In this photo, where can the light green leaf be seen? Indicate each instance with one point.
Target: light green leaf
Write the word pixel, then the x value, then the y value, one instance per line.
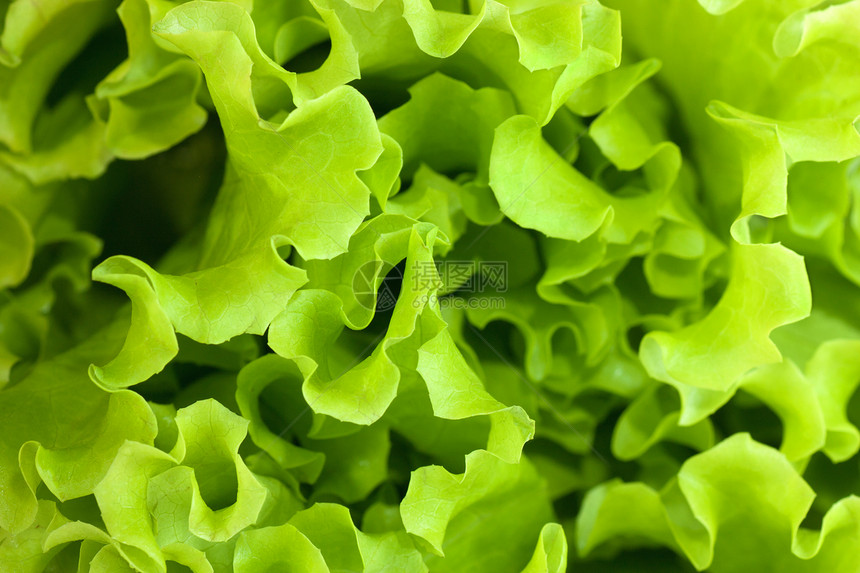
pixel 833 373
pixel 122 496
pixel 538 190
pixel 253 380
pixel 150 97
pixel 768 288
pixel 281 548
pixel 16 247
pixel 87 427
pixel 464 518
pixel 346 548
pixel 551 552
pixel 286 164
pixel 226 497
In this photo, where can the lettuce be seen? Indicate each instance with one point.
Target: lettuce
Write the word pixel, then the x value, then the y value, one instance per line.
pixel 411 285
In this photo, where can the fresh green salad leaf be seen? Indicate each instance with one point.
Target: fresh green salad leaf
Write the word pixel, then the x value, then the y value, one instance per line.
pixel 411 286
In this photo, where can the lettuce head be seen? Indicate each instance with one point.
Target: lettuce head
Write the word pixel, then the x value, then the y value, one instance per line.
pixel 408 286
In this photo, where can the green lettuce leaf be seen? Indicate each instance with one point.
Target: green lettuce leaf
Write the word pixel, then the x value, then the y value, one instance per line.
pixel 398 286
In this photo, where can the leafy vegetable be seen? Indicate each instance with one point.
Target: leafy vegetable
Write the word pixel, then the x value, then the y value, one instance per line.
pixel 411 285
